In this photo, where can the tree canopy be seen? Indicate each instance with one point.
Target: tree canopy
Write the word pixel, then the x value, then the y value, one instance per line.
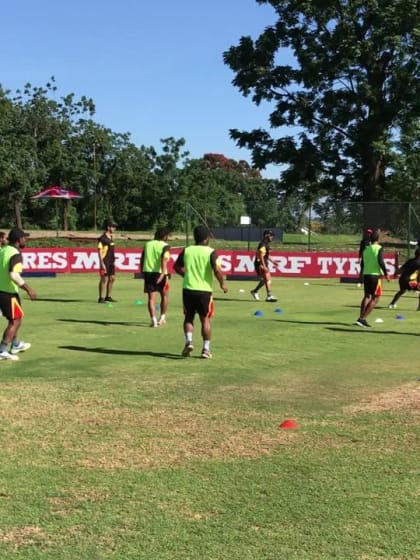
pixel 343 75
pixel 47 139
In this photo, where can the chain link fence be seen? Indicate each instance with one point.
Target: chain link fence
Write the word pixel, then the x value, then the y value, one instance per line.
pixel 321 226
pixel 397 222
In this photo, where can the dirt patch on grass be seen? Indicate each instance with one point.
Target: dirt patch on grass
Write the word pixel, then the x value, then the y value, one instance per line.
pixel 405 397
pixel 18 537
pixel 97 433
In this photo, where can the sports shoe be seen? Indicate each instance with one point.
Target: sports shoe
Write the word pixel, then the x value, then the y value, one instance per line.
pixel 5 355
pixel 161 322
pixel 154 324
pixel 187 350
pixel 363 323
pixel 21 347
pixel 255 295
pixel 271 298
pixel 101 300
pixel 205 354
pixel 392 306
pixel 111 299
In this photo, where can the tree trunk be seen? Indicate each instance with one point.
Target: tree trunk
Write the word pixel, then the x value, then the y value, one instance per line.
pixel 65 224
pixel 18 213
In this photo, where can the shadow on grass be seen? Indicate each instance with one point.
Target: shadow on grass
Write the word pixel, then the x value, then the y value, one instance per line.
pixel 116 352
pixel 315 323
pixel 242 300
pixel 371 331
pixel 60 300
pixel 106 323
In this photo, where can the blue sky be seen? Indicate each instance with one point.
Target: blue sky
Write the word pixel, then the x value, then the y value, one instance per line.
pixel 153 68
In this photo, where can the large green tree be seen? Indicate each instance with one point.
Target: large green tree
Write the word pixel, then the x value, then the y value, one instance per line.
pixel 345 75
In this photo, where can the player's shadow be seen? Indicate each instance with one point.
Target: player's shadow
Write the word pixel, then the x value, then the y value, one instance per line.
pixel 106 323
pixel 118 352
pixel 313 322
pixel 60 300
pixel 369 331
pixel 231 299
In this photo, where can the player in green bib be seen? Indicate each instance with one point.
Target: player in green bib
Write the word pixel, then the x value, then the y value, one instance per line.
pixel 372 267
pixel 199 264
pixel 11 266
pixel 154 265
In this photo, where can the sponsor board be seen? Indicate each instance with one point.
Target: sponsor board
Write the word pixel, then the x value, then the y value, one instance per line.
pixel 235 263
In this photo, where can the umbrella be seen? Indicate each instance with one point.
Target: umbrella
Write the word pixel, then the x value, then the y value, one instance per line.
pixel 56 192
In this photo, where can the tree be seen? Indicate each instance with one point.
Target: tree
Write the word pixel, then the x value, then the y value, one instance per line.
pixel 36 133
pixel 351 90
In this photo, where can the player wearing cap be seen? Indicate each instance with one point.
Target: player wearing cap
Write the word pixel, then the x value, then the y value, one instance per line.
pixel 262 258
pixel 198 265
pixel 106 254
pixel 154 265
pixel 11 266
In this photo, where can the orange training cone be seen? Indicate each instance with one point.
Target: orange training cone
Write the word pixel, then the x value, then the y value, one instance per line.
pixel 288 425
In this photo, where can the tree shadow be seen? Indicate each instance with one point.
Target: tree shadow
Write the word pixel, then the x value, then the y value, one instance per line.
pixel 115 352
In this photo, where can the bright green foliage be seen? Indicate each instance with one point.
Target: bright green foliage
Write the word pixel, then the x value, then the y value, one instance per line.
pixel 351 90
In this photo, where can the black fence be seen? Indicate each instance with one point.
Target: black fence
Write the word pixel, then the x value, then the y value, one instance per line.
pixel 245 233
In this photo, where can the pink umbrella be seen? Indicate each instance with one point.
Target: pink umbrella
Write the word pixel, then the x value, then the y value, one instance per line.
pixel 56 192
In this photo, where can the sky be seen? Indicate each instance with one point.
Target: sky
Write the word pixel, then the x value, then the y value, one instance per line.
pixel 153 68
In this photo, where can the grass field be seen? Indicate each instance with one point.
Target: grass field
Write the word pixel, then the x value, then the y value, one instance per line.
pixel 114 447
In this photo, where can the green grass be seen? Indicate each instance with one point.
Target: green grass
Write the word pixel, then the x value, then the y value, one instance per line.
pixel 114 447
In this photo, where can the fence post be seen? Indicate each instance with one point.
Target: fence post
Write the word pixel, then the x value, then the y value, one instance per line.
pixel 309 226
pixel 187 220
pixel 409 230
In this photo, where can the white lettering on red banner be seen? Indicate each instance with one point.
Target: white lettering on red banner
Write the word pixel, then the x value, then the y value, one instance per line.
pixel 233 263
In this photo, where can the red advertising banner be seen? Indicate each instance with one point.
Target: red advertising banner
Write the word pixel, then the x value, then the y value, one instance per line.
pixel 233 263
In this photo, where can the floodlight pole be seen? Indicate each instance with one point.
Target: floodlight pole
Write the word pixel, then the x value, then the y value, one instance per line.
pixel 94 188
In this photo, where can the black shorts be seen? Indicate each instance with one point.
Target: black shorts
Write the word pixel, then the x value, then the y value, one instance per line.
pixel 372 285
pixel 198 302
pixel 407 284
pixel 151 284
pixel 10 306
pixel 110 270
pixel 257 267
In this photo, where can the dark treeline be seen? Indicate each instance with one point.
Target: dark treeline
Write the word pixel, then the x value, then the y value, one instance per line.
pixel 49 140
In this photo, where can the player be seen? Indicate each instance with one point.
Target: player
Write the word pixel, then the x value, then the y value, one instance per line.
pixel 372 266
pixel 106 254
pixel 262 258
pixel 408 279
pixel 3 239
pixel 364 242
pixel 154 265
pixel 10 305
pixel 198 264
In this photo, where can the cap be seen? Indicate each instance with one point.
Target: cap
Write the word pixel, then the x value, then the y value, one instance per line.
pixel 268 232
pixel 109 222
pixel 16 233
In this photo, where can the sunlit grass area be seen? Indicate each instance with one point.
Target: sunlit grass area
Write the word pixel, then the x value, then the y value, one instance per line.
pixel 116 447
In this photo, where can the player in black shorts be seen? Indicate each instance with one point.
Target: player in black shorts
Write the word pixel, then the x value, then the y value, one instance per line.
pixel 262 258
pixel 154 265
pixel 106 254
pixel 408 279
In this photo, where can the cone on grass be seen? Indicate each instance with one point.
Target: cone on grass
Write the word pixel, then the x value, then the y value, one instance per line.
pixel 288 424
